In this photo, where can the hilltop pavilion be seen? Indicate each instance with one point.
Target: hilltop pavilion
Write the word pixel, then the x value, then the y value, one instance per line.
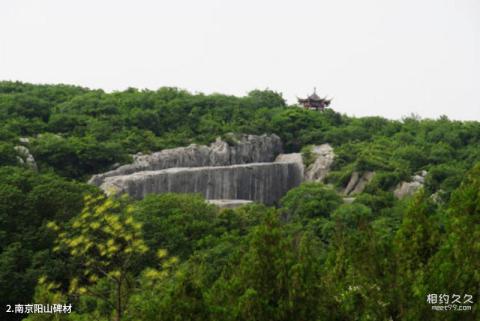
pixel 314 102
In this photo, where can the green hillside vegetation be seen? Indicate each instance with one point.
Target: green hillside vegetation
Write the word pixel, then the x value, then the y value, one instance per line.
pixel 174 257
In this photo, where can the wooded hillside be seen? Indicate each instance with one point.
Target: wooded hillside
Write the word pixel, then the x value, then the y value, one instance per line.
pixel 175 257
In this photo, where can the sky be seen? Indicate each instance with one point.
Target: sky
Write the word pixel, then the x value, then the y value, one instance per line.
pixel 391 58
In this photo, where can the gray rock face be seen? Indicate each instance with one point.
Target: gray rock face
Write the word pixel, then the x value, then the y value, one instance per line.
pixel 405 189
pixel 352 183
pixel 358 182
pixel 24 157
pixel 321 167
pixel 246 149
pixel 260 182
pixel 229 203
pixel 291 158
pixel 419 177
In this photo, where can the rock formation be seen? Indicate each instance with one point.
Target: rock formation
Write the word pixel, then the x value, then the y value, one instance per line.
pixel 319 169
pixel 25 157
pixel 291 158
pixel 261 182
pixel 358 182
pixel 405 189
pixel 245 149
pixel 228 174
pixel 241 170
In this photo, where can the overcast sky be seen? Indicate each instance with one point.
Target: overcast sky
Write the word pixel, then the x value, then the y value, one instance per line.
pixel 374 57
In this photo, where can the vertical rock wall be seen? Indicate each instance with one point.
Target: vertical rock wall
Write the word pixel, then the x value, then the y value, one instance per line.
pixel 241 149
pixel 241 169
pixel 260 182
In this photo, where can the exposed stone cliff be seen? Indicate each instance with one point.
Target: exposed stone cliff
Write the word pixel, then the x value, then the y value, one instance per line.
pixel 242 169
pixel 247 168
pixel 291 158
pixel 261 182
pixel 243 149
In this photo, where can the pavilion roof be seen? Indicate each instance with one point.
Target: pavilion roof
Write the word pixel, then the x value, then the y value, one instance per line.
pixel 314 96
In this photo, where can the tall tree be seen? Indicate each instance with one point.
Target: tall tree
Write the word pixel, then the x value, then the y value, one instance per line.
pixel 104 241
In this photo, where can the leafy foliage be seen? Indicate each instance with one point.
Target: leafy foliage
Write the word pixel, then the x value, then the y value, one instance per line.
pixel 174 257
pixel 310 200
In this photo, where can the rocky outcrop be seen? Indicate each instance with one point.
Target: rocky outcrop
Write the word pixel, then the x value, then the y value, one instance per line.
pixel 405 189
pixel 229 203
pixel 25 157
pixel 260 182
pixel 420 177
pixel 358 182
pixel 291 158
pixel 320 168
pixel 241 149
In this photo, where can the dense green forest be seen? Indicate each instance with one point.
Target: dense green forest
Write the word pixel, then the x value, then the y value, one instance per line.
pixel 175 257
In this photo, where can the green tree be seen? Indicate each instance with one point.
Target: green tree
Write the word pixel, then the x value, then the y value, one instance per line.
pixel 104 240
pixel 266 98
pixel 175 222
pixel 7 154
pixel 178 298
pixel 416 241
pixel 28 200
pixel 277 278
pixel 454 269
pixel 357 267
pixel 310 200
